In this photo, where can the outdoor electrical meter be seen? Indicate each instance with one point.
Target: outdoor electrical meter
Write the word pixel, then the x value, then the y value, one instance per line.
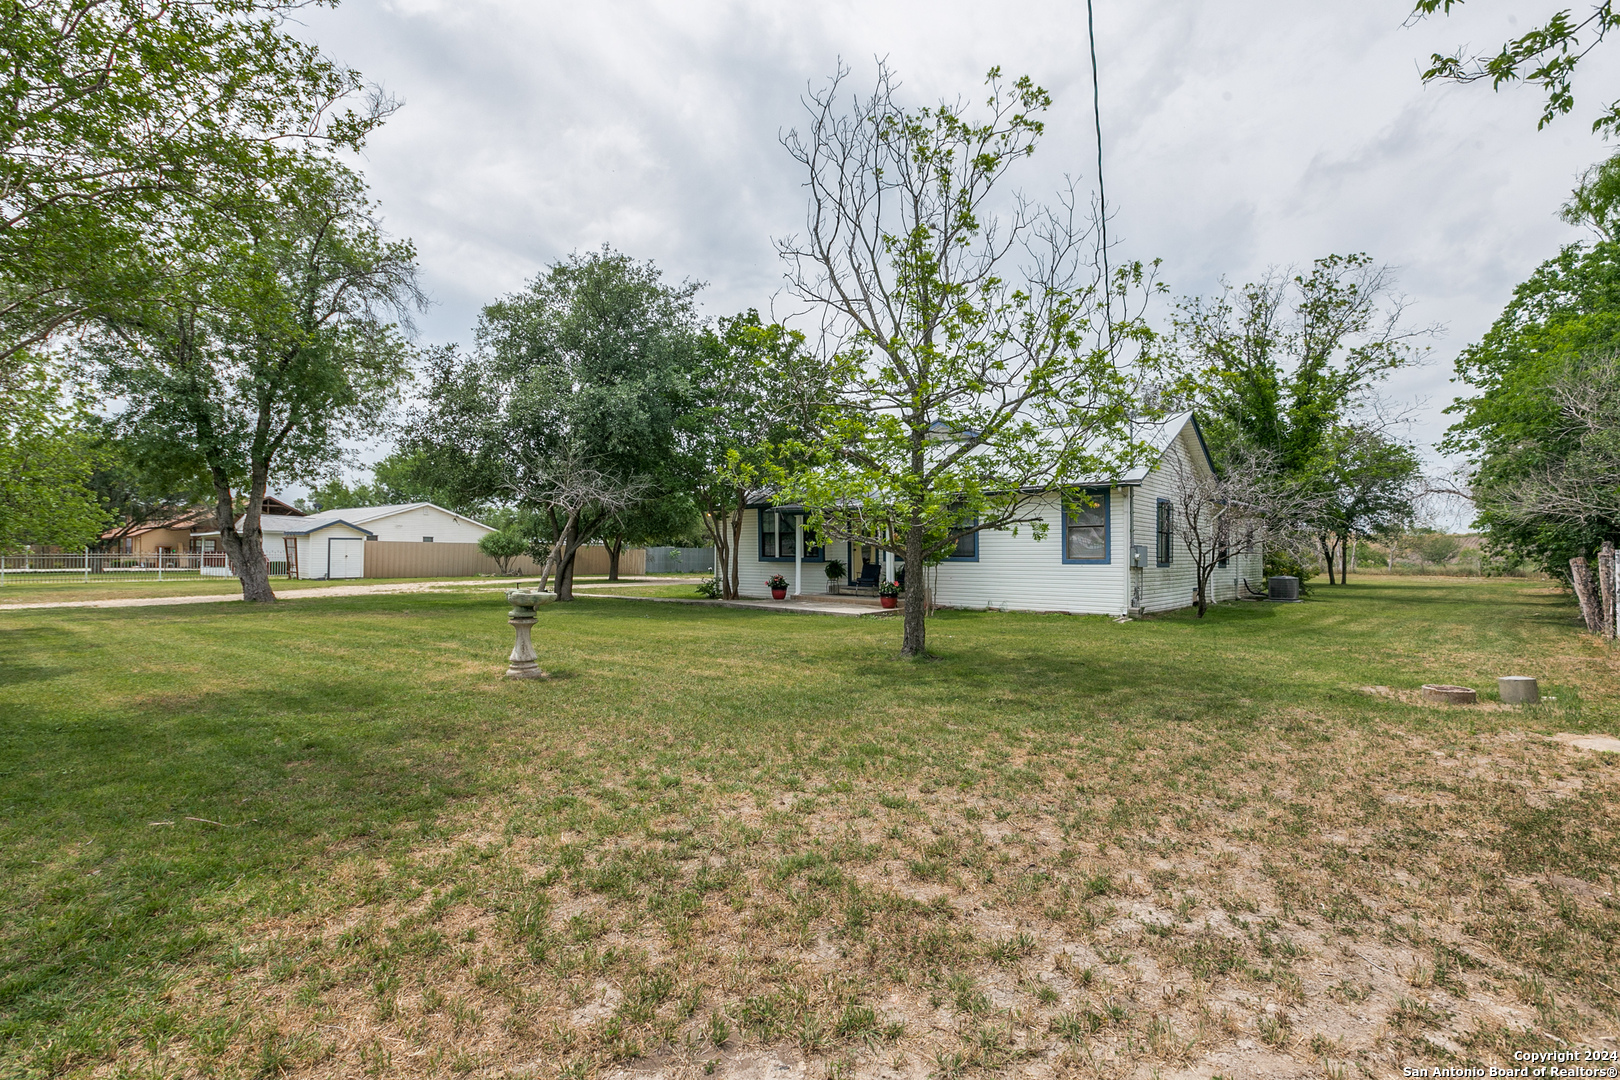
pixel 1138 553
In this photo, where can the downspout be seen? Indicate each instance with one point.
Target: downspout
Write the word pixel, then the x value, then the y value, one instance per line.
pixel 798 554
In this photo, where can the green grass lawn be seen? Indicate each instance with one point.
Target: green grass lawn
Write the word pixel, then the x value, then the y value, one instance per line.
pixel 686 590
pixel 326 838
pixel 19 589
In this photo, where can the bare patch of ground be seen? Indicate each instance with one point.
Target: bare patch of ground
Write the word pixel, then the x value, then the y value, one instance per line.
pixel 1326 903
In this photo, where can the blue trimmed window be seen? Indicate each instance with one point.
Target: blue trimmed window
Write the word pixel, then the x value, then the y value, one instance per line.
pixel 1164 528
pixel 1086 527
pixel 776 532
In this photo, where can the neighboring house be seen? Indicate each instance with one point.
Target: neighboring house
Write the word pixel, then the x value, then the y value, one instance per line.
pixel 188 531
pixel 1119 557
pixel 329 544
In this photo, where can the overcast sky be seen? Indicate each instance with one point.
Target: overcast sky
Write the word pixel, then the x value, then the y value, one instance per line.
pixel 1238 135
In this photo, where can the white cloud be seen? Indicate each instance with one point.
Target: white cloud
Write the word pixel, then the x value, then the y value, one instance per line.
pixel 1238 135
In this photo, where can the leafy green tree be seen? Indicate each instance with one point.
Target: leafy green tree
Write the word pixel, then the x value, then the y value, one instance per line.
pixel 1436 548
pixel 571 403
pixel 973 364
pixel 1285 359
pixel 755 394
pixel 121 121
pixel 503 546
pixel 660 520
pixel 334 494
pixel 1545 56
pixel 131 496
pixel 451 450
pixel 1595 202
pixel 1556 330
pixel 47 453
pixel 275 341
pixel 1285 365
pixel 1368 484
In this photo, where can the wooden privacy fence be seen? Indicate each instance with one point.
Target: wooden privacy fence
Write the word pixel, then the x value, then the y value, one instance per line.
pixel 401 559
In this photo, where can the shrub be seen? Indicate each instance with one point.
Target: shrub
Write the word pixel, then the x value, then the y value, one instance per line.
pixel 1286 563
pixel 711 589
pixel 503 547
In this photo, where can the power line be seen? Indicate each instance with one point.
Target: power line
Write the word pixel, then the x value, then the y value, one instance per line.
pixel 1102 193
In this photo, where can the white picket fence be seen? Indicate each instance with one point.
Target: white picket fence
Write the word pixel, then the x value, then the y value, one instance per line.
pixel 90 567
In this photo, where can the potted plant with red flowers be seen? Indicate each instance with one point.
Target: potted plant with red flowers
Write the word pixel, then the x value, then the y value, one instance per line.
pixel 888 593
pixel 778 586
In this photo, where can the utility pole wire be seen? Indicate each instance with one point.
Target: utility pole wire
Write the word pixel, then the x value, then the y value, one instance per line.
pixel 1102 194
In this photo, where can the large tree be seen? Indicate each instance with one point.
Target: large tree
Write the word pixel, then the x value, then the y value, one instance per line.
pixel 1364 483
pixel 1287 367
pixel 1515 429
pixel 47 454
pixel 119 120
pixel 272 343
pixel 571 402
pixel 756 393
pixel 973 364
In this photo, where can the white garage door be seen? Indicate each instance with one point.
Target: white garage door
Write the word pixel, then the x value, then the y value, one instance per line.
pixel 346 557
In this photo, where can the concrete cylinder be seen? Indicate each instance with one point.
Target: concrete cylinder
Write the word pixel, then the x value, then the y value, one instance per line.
pixel 1450 695
pixel 1518 690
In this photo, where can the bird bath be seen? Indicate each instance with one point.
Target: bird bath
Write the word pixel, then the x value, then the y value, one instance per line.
pixel 524 663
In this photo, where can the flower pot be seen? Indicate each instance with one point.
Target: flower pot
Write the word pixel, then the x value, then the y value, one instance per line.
pixel 888 601
pixel 778 594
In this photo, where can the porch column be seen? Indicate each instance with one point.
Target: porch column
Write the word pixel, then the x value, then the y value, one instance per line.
pixel 888 556
pixel 798 552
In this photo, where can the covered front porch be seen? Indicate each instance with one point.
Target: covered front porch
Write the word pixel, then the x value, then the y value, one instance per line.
pixel 793 551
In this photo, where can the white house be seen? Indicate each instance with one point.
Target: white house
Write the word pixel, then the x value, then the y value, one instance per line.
pixel 1122 556
pixel 330 544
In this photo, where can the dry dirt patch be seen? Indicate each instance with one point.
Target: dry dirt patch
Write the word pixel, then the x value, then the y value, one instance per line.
pixel 1334 904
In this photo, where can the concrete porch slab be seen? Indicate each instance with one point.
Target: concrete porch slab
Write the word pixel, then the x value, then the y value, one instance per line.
pixel 849 606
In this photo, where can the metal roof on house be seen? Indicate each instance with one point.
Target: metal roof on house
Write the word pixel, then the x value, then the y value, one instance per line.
pixel 1157 436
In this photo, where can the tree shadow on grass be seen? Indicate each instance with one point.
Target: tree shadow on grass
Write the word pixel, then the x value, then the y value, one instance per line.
pixel 19 650
pixel 129 834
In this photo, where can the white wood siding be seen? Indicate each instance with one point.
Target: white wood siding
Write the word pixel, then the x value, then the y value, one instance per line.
pixel 1166 588
pixel 1016 572
pixel 312 550
pixel 752 574
pixel 411 525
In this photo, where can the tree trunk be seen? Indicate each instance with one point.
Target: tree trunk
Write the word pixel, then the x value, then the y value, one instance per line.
pixel 244 549
pixel 1580 579
pixel 614 547
pixel 1327 555
pixel 734 586
pixel 1203 590
pixel 565 561
pixel 1344 560
pixel 1606 585
pixel 915 642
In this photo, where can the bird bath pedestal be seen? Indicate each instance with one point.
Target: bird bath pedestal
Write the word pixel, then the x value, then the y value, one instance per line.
pixel 524 664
